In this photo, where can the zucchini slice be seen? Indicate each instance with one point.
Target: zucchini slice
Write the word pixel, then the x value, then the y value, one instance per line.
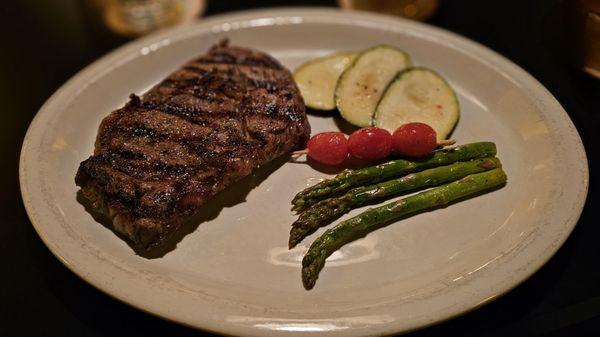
pixel 418 95
pixel 317 78
pixel 360 87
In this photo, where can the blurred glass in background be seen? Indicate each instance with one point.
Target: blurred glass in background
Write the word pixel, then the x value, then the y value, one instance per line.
pixel 133 18
pixel 411 9
pixel 583 17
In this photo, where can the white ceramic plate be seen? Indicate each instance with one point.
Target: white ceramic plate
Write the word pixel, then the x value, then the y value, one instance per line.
pixel 234 274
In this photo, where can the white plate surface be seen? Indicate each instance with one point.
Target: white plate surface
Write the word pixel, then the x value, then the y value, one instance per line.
pixel 234 274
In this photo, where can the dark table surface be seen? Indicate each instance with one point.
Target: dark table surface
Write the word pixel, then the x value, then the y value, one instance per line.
pixel 47 41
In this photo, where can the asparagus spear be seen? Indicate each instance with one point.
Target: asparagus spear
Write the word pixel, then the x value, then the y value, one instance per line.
pixel 374 218
pixel 395 168
pixel 325 211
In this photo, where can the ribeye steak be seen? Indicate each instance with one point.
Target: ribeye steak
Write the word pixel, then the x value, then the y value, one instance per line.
pixel 208 124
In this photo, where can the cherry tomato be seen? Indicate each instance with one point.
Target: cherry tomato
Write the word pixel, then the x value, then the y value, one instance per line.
pixel 414 139
pixel 370 144
pixel 330 148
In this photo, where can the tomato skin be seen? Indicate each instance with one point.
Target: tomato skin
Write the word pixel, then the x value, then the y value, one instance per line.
pixel 414 140
pixel 370 144
pixel 329 148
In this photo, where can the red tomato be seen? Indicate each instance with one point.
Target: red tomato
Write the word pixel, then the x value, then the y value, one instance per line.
pixel 330 148
pixel 414 139
pixel 370 144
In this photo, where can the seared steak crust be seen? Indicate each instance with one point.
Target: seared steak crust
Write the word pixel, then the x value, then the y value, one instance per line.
pixel 208 124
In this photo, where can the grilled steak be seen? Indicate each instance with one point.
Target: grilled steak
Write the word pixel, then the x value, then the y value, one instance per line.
pixel 208 124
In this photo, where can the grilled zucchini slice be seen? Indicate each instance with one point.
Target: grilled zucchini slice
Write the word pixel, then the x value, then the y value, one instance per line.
pixel 418 95
pixel 360 87
pixel 317 79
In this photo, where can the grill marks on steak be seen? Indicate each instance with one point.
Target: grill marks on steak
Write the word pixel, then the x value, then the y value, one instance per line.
pixel 210 123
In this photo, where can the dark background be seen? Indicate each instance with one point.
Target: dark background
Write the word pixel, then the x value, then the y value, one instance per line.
pixel 43 43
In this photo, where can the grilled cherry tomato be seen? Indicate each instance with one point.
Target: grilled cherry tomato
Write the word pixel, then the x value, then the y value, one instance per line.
pixel 370 144
pixel 414 139
pixel 330 148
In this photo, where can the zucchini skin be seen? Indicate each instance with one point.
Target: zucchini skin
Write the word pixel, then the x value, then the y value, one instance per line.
pixel 317 104
pixel 400 74
pixel 342 78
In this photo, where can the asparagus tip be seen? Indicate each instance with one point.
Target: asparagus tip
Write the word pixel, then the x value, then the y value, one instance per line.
pixel 308 279
pixel 295 237
pixel 298 209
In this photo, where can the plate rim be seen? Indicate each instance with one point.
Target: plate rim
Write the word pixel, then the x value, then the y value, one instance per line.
pixel 125 53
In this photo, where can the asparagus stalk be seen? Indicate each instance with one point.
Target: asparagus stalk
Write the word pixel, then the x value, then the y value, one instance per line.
pixel 325 211
pixel 374 218
pixel 395 168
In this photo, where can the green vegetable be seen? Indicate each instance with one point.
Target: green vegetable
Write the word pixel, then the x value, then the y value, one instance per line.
pixel 360 87
pixel 325 211
pixel 317 79
pixel 418 95
pixel 374 218
pixel 395 168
